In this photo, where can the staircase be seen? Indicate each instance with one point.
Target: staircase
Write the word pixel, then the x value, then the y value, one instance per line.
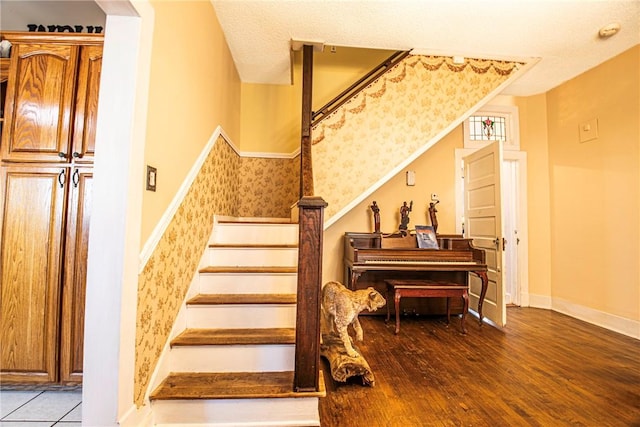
pixel 233 364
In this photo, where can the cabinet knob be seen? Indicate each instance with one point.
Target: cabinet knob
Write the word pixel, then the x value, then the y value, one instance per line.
pixel 76 154
pixel 62 155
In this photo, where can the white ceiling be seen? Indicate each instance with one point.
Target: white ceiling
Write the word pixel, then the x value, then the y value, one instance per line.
pixel 561 33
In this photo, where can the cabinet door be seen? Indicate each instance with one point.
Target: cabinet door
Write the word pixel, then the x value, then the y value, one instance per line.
pixel 75 266
pixel 4 75
pixel 32 215
pixel 39 103
pixel 86 111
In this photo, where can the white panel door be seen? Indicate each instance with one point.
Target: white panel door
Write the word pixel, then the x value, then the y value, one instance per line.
pixel 483 223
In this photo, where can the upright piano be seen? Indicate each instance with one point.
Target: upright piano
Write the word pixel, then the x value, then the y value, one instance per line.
pixel 371 258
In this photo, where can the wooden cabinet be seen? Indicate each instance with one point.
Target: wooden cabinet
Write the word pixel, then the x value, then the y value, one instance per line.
pixel 4 75
pixel 86 105
pixel 51 101
pixel 47 153
pixel 75 267
pixel 39 103
pixel 33 213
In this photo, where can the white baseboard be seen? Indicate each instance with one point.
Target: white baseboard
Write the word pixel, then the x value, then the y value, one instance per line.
pixel 137 417
pixel 539 301
pixel 605 320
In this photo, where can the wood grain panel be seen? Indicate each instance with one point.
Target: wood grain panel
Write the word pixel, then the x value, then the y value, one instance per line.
pixel 307 354
pixel 75 265
pixel 229 385
pixel 4 69
pixel 86 110
pixel 39 103
pixel 30 269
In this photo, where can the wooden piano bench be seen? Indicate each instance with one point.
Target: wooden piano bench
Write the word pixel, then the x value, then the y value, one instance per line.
pixel 426 288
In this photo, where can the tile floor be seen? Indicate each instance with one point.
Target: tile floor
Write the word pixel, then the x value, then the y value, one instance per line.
pixel 40 408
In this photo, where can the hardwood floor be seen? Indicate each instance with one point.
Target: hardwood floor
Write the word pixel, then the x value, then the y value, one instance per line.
pixel 543 369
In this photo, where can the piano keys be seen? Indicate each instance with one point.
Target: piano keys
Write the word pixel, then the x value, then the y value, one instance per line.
pixel 371 258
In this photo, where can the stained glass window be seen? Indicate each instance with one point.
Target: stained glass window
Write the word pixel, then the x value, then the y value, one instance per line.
pixel 487 128
pixel 493 123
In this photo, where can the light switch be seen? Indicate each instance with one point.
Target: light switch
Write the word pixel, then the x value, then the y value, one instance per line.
pixel 411 178
pixel 588 130
pixel 152 178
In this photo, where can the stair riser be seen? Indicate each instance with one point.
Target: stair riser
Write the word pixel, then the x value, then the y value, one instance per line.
pixel 232 358
pixel 234 412
pixel 275 234
pixel 241 316
pixel 229 257
pixel 219 283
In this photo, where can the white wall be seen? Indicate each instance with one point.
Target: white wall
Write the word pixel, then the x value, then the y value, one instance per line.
pixel 109 348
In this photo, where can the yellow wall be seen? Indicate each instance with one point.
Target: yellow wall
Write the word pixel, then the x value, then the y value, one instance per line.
pixel 193 88
pixel 533 140
pixel 271 114
pixel 435 173
pixel 595 188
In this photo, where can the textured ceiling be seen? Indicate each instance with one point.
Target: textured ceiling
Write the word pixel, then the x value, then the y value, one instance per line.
pixel 562 34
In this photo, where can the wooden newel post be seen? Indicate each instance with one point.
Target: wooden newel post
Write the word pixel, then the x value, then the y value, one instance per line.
pixel 307 354
pixel 306 170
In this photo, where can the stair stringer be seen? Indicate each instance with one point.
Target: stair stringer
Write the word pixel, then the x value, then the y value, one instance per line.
pixel 395 139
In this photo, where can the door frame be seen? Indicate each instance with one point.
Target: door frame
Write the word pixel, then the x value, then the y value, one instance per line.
pixel 520 206
pixel 114 239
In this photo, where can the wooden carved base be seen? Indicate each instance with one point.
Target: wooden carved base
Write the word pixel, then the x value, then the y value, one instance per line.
pixel 342 365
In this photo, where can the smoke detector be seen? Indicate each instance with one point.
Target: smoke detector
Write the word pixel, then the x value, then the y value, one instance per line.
pixel 609 30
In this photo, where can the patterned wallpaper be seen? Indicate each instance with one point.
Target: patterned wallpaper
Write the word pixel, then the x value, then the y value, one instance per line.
pixel 164 282
pixel 394 117
pixel 268 187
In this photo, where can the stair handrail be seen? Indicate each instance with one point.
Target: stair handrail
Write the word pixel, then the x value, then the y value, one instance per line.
pixel 358 86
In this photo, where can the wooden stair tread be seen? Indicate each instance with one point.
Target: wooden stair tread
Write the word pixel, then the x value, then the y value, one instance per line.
pixel 230 385
pixel 235 336
pixel 204 299
pixel 277 221
pixel 249 269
